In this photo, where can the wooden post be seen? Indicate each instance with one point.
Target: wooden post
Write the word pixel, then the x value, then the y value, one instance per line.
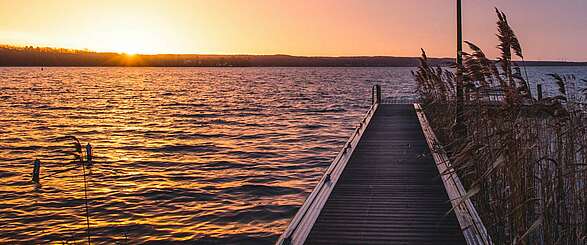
pixel 89 154
pixel 373 95
pixel 36 170
pixel 377 94
pixel 539 91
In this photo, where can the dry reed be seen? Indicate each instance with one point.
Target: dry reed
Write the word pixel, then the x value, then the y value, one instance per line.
pixel 525 159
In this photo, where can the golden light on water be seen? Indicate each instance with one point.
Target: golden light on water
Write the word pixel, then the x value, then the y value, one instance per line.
pixel 196 153
pixel 180 154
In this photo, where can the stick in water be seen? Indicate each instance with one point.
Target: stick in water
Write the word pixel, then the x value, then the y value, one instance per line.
pixel 36 170
pixel 89 154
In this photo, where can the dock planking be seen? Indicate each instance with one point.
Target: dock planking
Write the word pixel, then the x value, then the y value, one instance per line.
pixel 390 191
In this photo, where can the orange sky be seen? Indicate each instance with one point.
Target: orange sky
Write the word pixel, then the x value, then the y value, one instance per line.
pixel 549 30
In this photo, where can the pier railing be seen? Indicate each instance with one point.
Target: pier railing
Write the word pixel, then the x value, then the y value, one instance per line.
pixel 302 223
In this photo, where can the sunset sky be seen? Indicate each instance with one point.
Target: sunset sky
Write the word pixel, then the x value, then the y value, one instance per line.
pixel 548 29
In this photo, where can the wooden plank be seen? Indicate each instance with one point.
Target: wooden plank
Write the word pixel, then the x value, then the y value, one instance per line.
pixel 300 226
pixel 390 191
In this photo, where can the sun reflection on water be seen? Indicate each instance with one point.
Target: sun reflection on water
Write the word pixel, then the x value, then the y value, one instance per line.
pixel 219 155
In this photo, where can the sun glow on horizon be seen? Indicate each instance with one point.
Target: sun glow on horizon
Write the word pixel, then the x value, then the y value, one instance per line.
pixel 129 27
pixel 129 32
pixel 130 42
pixel 295 27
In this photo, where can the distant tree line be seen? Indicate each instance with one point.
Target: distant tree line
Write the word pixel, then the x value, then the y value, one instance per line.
pixel 43 56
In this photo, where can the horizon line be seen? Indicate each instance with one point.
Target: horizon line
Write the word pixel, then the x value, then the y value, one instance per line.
pixel 6 45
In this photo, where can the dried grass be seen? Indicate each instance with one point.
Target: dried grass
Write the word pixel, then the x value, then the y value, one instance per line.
pixel 527 157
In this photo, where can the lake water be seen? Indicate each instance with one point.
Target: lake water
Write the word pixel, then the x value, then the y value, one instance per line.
pixel 208 155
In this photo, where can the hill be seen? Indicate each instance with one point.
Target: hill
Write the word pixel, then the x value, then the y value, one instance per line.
pixel 42 56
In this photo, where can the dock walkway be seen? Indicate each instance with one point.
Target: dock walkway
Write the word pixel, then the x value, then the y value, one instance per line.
pixel 385 187
pixel 390 191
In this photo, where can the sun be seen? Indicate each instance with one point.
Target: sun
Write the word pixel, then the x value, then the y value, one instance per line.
pixel 131 40
pixel 132 46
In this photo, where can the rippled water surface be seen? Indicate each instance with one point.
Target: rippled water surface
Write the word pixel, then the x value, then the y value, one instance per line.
pixel 212 155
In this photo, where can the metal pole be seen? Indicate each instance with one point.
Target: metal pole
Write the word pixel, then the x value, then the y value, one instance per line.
pixel 459 124
pixel 87 208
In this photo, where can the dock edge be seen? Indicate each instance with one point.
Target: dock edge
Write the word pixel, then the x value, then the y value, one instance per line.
pixel 300 226
pixel 471 224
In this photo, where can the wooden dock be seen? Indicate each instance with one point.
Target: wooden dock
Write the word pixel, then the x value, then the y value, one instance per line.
pixel 385 187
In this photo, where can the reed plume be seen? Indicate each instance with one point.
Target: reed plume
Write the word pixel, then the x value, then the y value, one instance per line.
pixel 526 159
